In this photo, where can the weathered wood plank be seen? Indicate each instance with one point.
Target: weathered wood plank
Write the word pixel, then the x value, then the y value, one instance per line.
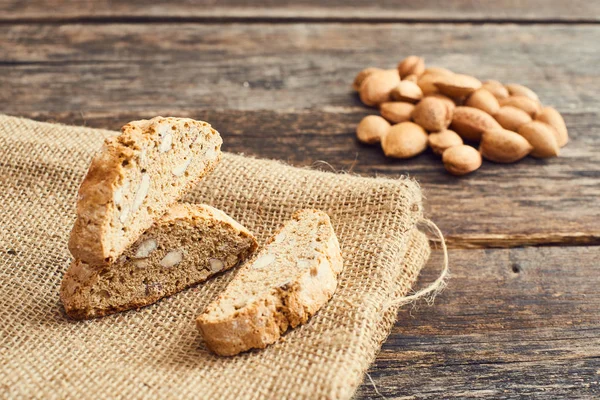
pixel 512 323
pixel 297 104
pixel 265 66
pixel 311 10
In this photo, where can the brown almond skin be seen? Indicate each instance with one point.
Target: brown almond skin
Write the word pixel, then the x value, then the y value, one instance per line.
pixel 553 118
pixel 496 88
pixel 503 146
pixel 457 85
pixel 396 111
pixel 404 140
pixel 427 84
pixel 519 90
pixel 541 137
pixel 376 87
pixel 484 100
pixel 470 123
pixel 461 160
pixel 512 118
pixel 433 114
pixel 362 75
pixel 437 71
pixel 440 141
pixel 526 104
pixel 407 91
pixel 371 129
pixel 411 65
pixel 447 100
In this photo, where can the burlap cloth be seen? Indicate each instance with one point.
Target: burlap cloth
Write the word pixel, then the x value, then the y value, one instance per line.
pixel 156 352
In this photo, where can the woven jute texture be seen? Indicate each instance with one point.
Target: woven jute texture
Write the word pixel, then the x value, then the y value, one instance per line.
pixel 156 352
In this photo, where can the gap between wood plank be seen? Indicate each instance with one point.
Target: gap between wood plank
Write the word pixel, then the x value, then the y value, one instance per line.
pixel 487 241
pixel 290 20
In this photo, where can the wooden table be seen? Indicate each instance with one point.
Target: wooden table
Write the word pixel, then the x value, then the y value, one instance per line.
pixel 521 316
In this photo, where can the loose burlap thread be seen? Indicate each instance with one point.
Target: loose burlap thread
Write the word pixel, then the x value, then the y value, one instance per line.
pixel 156 352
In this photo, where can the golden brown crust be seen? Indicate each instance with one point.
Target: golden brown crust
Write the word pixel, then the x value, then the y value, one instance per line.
pixel 93 235
pixel 264 320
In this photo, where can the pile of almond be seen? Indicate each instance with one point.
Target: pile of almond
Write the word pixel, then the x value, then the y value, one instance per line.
pixel 438 108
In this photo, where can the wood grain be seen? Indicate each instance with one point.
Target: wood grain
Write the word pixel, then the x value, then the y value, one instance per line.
pixel 512 323
pixel 307 10
pixel 291 100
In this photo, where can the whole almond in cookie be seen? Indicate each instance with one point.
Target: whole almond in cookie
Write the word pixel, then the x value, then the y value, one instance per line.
pixel 470 123
pixel 542 137
pixel 461 160
pixel 457 85
pixel 512 118
pixel 433 114
pixel 411 65
pixel 484 100
pixel 526 104
pixel 553 118
pixel 396 111
pixel 404 140
pixel 371 129
pixel 440 141
pixel 496 88
pixel 503 146
pixel 407 91
pixel 376 87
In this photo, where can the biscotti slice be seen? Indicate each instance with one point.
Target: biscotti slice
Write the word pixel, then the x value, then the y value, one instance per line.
pixel 135 178
pixel 186 246
pixel 284 284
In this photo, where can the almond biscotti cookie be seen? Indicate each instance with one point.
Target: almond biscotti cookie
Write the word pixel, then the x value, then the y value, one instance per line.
pixel 186 246
pixel 135 178
pixel 283 285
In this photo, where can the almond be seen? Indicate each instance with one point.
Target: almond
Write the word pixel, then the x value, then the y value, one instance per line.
pixel 371 129
pixel 447 100
pixel 145 248
pixel 470 123
pixel 411 65
pixel 377 86
pixel 519 90
pixel 553 118
pixel 141 193
pixel 437 71
pixel 457 85
pixel 542 137
pixel 496 88
pixel 172 258
pixel 461 160
pixel 407 91
pixel 433 114
pixel 362 75
pixel 526 104
pixel 512 118
pixel 440 141
pixel 404 140
pixel 484 100
pixel 503 146
pixel 427 84
pixel 396 111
